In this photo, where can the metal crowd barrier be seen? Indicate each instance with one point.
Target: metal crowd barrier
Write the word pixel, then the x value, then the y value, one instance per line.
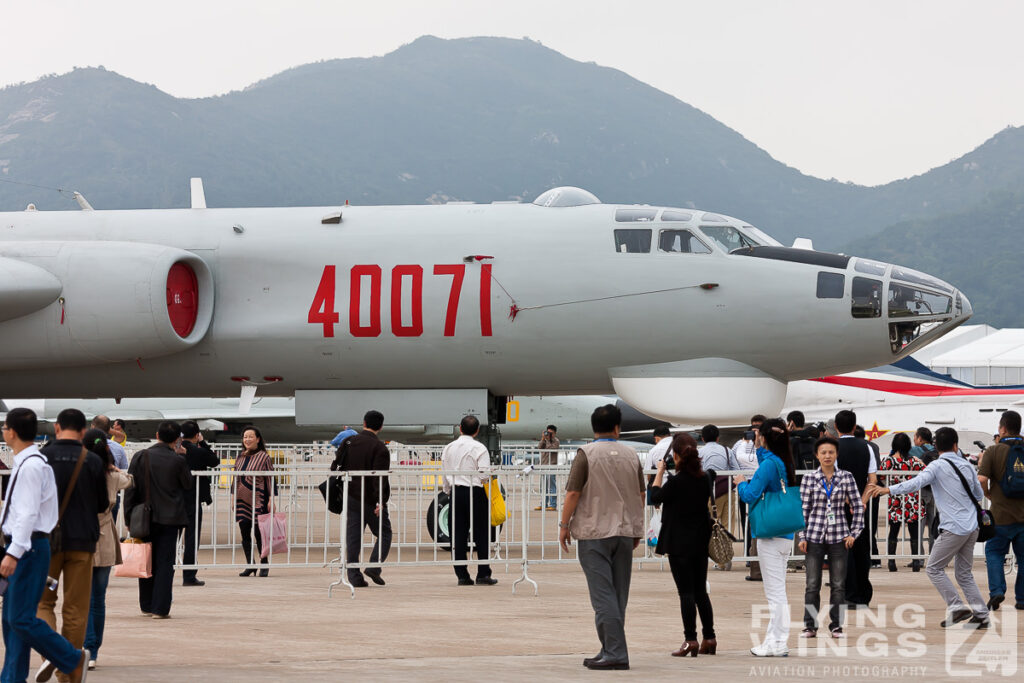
pixel 423 520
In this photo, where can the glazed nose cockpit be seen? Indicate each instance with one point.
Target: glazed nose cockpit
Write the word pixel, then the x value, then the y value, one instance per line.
pixel 918 307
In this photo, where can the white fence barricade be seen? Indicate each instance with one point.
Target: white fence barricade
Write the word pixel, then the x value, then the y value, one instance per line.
pixel 422 520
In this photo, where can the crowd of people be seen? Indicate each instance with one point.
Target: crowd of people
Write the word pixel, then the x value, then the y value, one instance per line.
pixel 830 521
pixel 794 489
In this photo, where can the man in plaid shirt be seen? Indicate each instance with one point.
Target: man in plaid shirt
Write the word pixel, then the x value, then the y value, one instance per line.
pixel 826 494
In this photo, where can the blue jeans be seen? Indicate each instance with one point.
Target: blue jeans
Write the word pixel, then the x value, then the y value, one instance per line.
pixel 97 611
pixel 22 630
pixel 552 491
pixel 996 549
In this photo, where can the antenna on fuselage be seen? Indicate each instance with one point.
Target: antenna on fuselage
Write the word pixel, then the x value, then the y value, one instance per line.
pixel 82 203
pixel 198 194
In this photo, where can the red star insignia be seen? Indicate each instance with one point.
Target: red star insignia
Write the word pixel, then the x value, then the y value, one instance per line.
pixel 875 432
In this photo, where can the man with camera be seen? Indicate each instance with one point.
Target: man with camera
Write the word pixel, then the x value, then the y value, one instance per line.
pixel 548 448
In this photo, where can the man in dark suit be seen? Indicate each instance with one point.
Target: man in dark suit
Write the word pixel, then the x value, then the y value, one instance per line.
pixel 161 478
pixel 855 457
pixel 200 457
pixel 367 503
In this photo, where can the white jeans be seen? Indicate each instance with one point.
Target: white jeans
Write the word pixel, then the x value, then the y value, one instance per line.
pixel 773 553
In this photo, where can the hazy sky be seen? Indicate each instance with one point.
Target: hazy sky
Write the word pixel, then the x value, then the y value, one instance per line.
pixel 867 91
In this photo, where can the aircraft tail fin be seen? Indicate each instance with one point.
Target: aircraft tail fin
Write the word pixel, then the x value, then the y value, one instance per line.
pixel 198 194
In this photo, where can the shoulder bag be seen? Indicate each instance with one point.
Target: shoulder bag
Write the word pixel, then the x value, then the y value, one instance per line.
pixel 986 523
pixel 56 546
pixel 333 490
pixel 720 548
pixel 141 516
pixel 777 513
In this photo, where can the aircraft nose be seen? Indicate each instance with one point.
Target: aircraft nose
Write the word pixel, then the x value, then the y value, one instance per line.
pixel 963 305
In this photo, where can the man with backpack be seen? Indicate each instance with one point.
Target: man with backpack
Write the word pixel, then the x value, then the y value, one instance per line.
pixel 1001 473
pixel 801 441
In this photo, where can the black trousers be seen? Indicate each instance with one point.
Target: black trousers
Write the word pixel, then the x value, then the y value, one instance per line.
pixel 380 528
pixel 193 530
pixel 858 568
pixel 155 592
pixel 894 536
pixel 815 556
pixel 467 499
pixel 690 572
pixel 245 526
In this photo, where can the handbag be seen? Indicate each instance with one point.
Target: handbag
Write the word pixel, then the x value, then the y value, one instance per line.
pixel 654 530
pixel 499 512
pixel 141 516
pixel 986 523
pixel 720 548
pixel 56 545
pixel 777 513
pixel 136 560
pixel 273 526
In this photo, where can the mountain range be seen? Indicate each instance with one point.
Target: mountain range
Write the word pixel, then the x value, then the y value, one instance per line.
pixel 485 119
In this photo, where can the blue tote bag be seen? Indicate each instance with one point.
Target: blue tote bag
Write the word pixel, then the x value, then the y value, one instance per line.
pixel 777 513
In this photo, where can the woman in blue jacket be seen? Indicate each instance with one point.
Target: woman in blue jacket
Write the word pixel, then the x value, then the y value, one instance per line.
pixel 775 464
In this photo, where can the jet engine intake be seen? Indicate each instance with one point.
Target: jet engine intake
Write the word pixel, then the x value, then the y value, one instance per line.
pixel 118 301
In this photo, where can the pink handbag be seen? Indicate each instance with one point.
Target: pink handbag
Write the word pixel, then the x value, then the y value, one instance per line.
pixel 136 561
pixel 274 530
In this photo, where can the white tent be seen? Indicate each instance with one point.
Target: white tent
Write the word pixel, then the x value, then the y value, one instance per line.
pixel 995 359
pixel 965 334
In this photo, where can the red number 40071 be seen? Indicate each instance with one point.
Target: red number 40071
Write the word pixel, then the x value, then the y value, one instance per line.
pixel 323 311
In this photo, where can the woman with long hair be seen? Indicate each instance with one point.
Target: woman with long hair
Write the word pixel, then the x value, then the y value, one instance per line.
pixel 108 549
pixel 905 508
pixel 775 465
pixel 684 536
pixel 252 495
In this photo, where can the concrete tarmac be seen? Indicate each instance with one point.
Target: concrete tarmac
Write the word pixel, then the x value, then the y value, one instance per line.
pixel 422 626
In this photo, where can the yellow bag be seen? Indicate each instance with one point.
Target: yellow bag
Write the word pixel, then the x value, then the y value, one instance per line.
pixel 499 513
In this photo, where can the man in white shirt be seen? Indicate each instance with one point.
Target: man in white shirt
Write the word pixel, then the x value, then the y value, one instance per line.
pixel 29 514
pixel 746 457
pixel 662 442
pixel 468 464
pixel 720 458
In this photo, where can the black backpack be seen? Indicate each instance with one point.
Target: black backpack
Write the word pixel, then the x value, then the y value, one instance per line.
pixel 803 452
pixel 1012 483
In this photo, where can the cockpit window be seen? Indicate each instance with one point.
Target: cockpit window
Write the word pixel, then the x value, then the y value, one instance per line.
pixel 908 275
pixel 633 241
pixel 681 242
pixel 867 298
pixel 635 215
pixel 714 218
pixel 906 302
pixel 670 215
pixel 761 236
pixel 728 237
pixel 869 267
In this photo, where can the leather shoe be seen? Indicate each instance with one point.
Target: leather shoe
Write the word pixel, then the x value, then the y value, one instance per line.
pixel 956 616
pixel 359 582
pixel 607 665
pixel 753 578
pixel 375 577
pixel 977 623
pixel 486 581
pixel 995 601
pixel 590 660
pixel 465 582
pixel 193 582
